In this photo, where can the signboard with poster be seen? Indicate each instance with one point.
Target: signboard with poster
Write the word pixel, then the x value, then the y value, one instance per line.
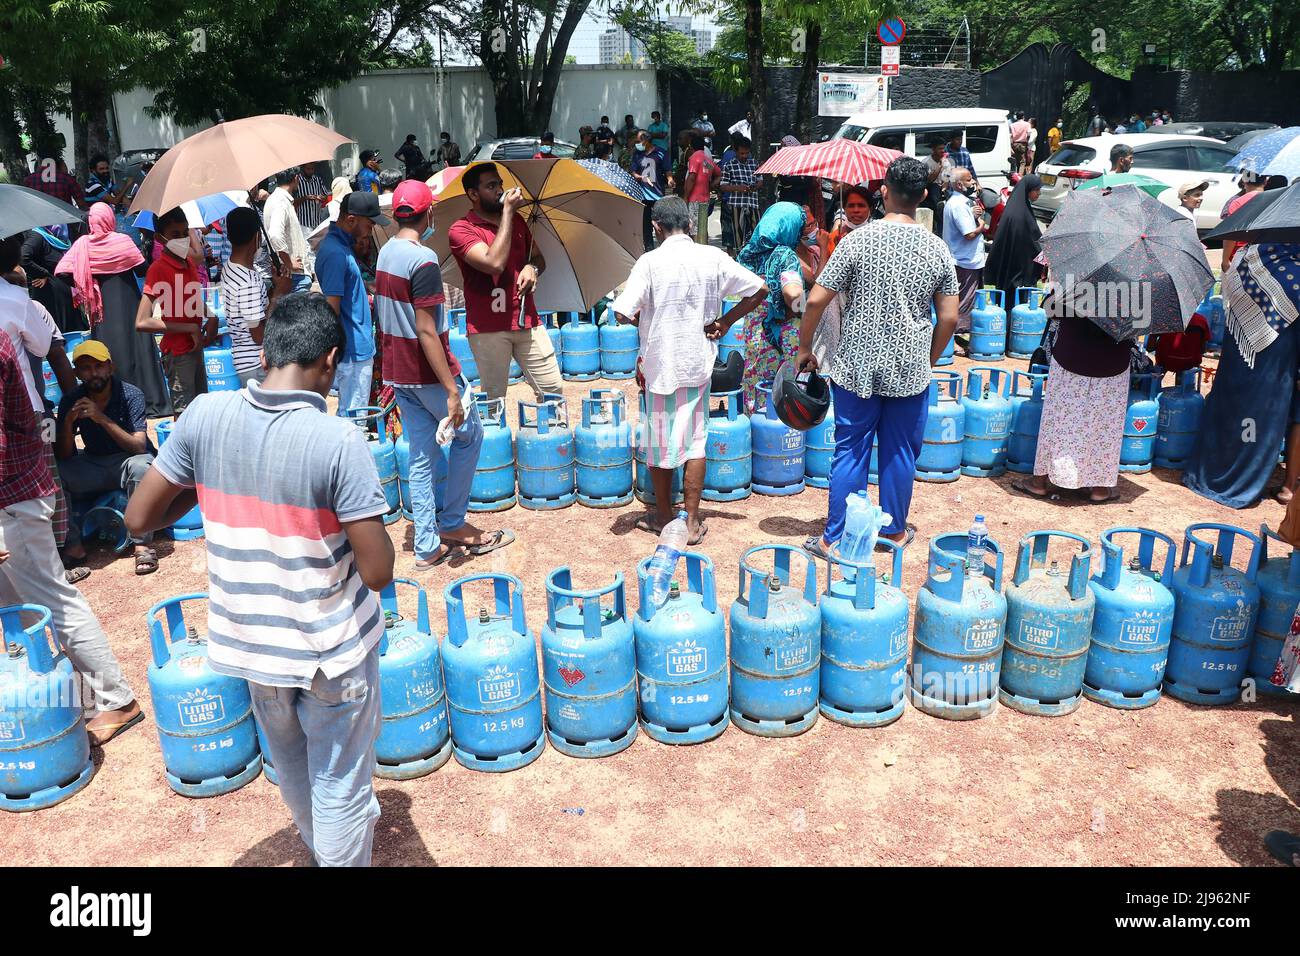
pixel 843 94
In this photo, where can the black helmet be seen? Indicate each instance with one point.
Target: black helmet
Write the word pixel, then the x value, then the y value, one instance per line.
pixel 728 375
pixel 801 399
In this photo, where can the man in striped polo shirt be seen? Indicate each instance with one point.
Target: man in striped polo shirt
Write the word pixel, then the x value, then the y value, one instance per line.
pixel 426 379
pixel 244 295
pixel 293 512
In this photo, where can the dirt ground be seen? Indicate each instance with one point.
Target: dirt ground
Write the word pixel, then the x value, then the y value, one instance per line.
pixel 1173 785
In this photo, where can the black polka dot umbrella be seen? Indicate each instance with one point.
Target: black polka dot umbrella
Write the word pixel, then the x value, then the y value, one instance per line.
pixel 1131 264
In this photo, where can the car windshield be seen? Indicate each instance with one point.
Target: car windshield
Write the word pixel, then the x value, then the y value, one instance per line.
pixel 1072 154
pixel 849 131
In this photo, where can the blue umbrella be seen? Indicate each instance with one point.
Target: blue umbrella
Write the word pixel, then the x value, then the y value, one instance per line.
pixel 1260 152
pixel 199 212
pixel 1286 162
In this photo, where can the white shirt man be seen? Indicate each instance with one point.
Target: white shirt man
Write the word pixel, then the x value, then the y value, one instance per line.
pixel 285 233
pixel 29 329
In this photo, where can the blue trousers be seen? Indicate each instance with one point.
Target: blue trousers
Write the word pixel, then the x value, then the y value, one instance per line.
pixel 353 380
pixel 322 744
pixel 900 424
pixel 440 479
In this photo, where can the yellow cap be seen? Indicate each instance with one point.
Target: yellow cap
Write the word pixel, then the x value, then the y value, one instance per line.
pixel 91 348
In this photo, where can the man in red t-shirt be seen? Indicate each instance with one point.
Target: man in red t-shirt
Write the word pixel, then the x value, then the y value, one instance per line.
pixel 499 267
pixel 173 304
pixel 702 174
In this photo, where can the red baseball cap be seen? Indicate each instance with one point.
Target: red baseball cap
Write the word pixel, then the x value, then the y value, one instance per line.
pixel 411 198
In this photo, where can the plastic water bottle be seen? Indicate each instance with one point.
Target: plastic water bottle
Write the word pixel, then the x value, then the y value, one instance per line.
pixel 862 524
pixel 977 545
pixel 672 542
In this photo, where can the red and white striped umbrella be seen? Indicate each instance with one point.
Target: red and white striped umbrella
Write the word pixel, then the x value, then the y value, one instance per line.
pixel 840 160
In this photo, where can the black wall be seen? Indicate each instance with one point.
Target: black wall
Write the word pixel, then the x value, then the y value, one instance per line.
pixel 1250 96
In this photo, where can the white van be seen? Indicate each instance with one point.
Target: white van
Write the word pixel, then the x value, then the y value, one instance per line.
pixel 986 133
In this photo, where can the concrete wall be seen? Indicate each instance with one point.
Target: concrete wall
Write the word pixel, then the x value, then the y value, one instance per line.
pixel 1252 95
pixel 378 109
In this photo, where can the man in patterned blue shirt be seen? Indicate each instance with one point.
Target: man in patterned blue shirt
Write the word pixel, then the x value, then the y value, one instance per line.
pixel 959 154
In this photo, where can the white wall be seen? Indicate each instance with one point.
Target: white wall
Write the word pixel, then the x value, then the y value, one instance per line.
pixel 378 109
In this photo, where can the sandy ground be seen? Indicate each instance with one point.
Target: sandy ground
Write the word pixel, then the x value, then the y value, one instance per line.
pixel 1172 785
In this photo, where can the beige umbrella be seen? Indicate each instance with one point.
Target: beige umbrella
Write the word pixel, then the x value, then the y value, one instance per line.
pixel 588 230
pixel 233 155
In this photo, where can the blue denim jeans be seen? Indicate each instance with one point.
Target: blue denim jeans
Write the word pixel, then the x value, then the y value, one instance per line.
pixel 322 745
pixel 440 478
pixel 301 283
pixel 900 423
pixel 353 380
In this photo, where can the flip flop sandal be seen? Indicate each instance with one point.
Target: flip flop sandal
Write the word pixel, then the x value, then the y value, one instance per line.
pixel 815 547
pixel 74 575
pixel 704 529
pixel 113 730
pixel 646 523
pixel 1284 846
pixel 499 539
pixel 447 555
pixel 1113 496
pixel 146 562
pixel 908 538
pixel 1022 485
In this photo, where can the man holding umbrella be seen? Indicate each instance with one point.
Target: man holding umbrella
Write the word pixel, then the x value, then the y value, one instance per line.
pixel 500 265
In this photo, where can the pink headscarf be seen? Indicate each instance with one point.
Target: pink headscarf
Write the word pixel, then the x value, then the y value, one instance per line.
pixel 103 252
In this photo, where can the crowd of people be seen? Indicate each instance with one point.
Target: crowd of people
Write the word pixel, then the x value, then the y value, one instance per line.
pixel 855 288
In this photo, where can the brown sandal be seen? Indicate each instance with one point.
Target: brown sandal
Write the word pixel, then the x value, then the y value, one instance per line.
pixel 146 561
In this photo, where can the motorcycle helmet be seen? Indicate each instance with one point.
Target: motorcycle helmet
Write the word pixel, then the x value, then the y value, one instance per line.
pixel 801 399
pixel 728 375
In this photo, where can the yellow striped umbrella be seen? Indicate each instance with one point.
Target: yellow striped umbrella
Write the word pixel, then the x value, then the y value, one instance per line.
pixel 588 230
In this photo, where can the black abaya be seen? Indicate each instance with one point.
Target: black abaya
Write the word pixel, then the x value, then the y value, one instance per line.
pixel 39 261
pixel 1017 243
pixel 135 354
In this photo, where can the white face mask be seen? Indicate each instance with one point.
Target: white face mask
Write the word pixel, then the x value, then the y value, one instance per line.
pixel 180 248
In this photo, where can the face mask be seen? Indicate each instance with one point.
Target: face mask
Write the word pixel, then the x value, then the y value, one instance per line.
pixel 640 147
pixel 546 149
pixel 180 248
pixel 428 231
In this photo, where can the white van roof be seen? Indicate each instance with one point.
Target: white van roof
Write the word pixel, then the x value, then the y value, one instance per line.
pixel 932 117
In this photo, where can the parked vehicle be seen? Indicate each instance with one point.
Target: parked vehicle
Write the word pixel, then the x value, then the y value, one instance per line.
pixel 1171 159
pixel 986 133
pixel 127 166
pixel 519 147
pixel 1222 131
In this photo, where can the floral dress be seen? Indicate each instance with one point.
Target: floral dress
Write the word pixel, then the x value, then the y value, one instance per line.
pixel 762 358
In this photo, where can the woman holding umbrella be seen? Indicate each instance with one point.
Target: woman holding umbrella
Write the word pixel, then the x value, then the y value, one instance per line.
pixel 103 265
pixel 1017 243
pixel 1248 410
pixel 771 332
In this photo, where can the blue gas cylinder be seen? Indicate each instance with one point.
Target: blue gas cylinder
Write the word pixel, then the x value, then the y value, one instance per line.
pixel 493 487
pixel 44 747
pixel 1178 424
pixel 733 340
pixel 371 419
pixel 1216 318
pixel 619 346
pixel 105 521
pixel 219 366
pixel 864 643
pixel 553 322
pixel 1214 623
pixel 778 458
pixel 1140 423
pixel 728 462
pixel 775 645
pixel 958 635
pixel 1132 622
pixel 1026 415
pixel 50 384
pixel 1049 626
pixel 190 525
pixel 581 353
pixel 603 450
pixel 945 427
pixel 489 661
pixel 988 326
pixel 988 422
pixel 458 339
pixel 945 358
pixel 819 449
pixel 589 667
pixel 545 455
pixel 1279 596
pixel 402 455
pixel 414 738
pixel 1028 322
pixel 204 719
pixel 681 657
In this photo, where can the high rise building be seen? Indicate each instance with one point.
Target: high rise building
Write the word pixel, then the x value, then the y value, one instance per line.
pixel 616 43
